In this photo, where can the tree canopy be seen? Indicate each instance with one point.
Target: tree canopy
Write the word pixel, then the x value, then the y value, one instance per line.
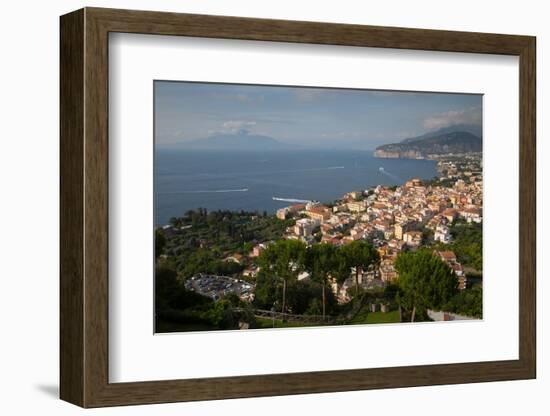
pixel 283 260
pixel 467 302
pixel 322 260
pixel 359 255
pixel 425 282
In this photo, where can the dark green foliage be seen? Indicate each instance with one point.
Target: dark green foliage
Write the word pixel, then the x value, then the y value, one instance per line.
pixel 314 307
pixel 207 237
pixel 202 240
pixel 277 284
pixel 285 258
pixel 425 281
pixel 220 315
pixel 160 242
pixel 323 261
pixel 468 244
pixel 165 285
pixel 283 261
pixel 247 247
pixel 207 261
pixel 169 291
pixel 173 302
pixel 359 255
pixel 468 302
pixel 267 290
pixel 437 181
pixel 302 294
pixel 183 310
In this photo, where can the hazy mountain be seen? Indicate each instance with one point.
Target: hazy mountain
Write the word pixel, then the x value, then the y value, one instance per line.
pixel 426 145
pixel 469 128
pixel 370 143
pixel 239 141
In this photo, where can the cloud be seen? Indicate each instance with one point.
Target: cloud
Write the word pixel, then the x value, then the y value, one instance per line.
pixel 241 127
pixel 244 98
pixel 453 117
pixel 236 126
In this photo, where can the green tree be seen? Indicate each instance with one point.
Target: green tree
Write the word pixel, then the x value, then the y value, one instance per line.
pixel 425 281
pixel 361 256
pixel 468 244
pixel 300 294
pixel 221 315
pixel 247 247
pixel 267 290
pixel 170 293
pixel 467 302
pixel 285 260
pixel 313 308
pixel 322 261
pixel 342 269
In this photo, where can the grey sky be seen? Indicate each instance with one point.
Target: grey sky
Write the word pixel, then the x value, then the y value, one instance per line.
pixel 305 116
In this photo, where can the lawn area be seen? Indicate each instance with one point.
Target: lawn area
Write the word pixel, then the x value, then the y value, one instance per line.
pixel 383 318
pixel 363 317
pixel 366 317
pixel 268 323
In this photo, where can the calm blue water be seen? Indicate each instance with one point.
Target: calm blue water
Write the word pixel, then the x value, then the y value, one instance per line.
pixel 186 179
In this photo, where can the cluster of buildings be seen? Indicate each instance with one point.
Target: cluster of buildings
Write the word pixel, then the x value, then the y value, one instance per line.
pixel 393 219
pixel 457 167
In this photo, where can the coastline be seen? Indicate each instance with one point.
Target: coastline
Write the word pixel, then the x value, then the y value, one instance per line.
pixel 301 175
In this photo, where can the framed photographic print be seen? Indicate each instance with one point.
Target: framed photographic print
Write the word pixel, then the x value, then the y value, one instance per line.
pixel 255 207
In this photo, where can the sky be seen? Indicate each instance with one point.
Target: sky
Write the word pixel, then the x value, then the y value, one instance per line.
pixel 310 117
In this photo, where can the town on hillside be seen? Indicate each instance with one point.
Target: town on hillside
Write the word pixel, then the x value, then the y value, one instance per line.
pixel 419 240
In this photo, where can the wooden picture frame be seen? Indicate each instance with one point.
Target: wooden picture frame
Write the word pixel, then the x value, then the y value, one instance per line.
pixel 84 207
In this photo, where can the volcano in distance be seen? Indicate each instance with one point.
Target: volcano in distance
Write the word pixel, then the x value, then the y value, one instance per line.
pixel 236 141
pixel 459 139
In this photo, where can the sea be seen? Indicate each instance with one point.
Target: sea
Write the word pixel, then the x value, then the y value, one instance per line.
pixel 250 180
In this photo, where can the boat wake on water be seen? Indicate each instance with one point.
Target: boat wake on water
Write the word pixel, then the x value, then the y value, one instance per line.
pixel 390 175
pixel 302 201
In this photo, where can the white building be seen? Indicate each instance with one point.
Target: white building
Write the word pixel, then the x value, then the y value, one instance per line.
pixel 442 234
pixel 305 226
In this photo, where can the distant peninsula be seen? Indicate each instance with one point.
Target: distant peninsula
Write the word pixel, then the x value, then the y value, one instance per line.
pixel 431 144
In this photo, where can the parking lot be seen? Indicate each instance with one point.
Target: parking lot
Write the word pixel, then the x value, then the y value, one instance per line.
pixel 216 287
